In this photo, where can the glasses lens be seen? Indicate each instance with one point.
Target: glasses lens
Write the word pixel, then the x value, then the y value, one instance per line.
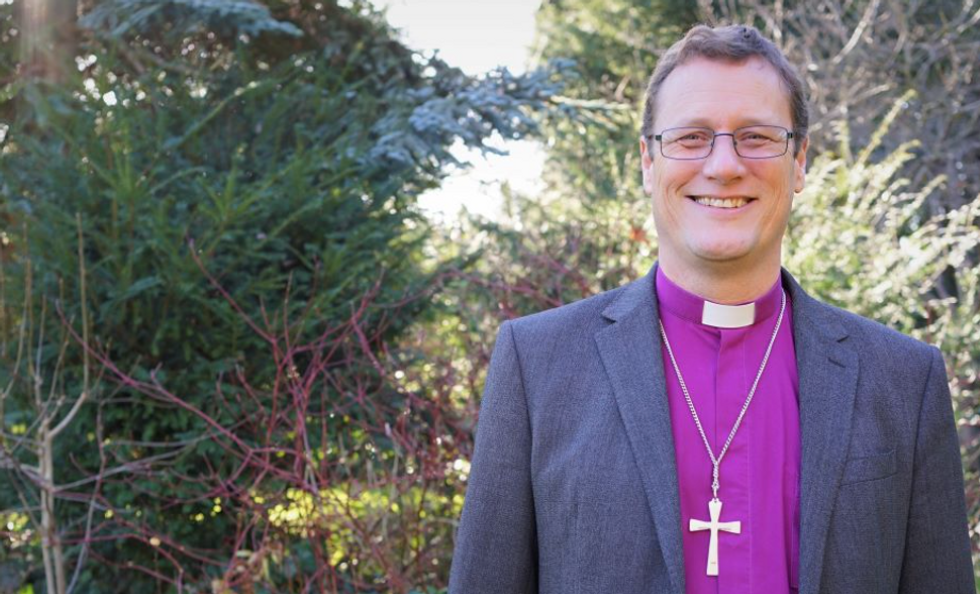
pixel 761 142
pixel 686 143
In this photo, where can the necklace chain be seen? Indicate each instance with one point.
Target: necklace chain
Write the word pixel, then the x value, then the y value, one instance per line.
pixel 716 462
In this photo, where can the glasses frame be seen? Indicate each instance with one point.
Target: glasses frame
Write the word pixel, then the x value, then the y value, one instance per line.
pixel 715 135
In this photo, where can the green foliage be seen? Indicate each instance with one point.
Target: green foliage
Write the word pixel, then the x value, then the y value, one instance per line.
pixel 226 18
pixel 223 183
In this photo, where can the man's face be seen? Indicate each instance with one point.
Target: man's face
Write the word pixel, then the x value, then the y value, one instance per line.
pixel 722 96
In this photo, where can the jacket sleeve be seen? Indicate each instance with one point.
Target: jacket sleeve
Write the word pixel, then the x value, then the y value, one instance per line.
pixel 496 551
pixel 937 543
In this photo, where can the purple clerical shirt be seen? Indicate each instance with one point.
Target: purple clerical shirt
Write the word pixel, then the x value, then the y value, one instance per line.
pixel 759 474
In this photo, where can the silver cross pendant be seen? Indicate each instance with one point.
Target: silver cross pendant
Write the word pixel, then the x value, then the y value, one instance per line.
pixel 714 509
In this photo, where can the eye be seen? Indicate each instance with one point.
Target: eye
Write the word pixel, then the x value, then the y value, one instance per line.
pixel 690 138
pixel 759 135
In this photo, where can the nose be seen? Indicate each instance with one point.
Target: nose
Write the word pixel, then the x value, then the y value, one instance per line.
pixel 723 164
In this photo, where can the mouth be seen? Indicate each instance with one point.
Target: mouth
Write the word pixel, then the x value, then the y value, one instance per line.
pixel 728 203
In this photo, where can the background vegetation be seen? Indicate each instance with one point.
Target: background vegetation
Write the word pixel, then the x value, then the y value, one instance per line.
pixel 235 357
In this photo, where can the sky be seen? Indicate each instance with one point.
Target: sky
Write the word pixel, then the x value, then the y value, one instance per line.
pixel 475 36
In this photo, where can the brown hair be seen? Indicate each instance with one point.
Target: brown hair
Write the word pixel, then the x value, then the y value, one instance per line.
pixel 733 43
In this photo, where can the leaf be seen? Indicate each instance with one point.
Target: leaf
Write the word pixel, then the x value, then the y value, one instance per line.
pixel 143 284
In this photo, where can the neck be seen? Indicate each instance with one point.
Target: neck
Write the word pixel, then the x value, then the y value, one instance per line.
pixel 722 283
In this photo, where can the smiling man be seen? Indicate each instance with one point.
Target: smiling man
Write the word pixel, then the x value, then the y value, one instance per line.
pixel 711 427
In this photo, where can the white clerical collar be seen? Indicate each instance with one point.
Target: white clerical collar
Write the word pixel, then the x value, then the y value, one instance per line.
pixel 694 308
pixel 728 316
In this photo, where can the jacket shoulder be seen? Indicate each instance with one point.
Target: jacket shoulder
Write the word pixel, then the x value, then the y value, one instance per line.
pixel 879 338
pixel 888 357
pixel 571 321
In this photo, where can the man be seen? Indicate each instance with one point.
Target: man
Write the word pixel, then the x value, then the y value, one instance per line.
pixel 711 427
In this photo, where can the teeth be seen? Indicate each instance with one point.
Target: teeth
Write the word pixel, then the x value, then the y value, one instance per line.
pixel 721 202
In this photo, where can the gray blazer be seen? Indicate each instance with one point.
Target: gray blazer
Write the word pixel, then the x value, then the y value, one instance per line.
pixel 573 487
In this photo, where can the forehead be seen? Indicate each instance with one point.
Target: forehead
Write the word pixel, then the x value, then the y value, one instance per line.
pixel 722 94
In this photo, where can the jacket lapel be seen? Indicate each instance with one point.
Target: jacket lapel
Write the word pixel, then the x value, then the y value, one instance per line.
pixel 630 352
pixel 828 371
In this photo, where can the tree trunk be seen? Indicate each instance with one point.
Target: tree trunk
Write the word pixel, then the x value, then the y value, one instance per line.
pixel 48 38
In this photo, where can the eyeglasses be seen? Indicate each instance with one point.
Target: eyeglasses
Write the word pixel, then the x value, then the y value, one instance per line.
pixel 750 142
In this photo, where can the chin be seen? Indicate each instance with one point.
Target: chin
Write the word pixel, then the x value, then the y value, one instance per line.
pixel 721 251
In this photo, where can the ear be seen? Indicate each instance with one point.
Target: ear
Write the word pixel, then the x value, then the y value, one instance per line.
pixel 799 166
pixel 646 166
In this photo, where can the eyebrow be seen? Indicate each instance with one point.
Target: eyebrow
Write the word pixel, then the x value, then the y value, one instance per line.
pixel 705 123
